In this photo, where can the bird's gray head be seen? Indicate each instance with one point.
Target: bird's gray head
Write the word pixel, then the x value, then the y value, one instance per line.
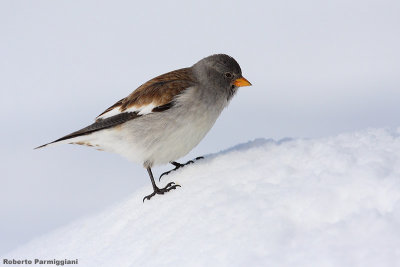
pixel 220 72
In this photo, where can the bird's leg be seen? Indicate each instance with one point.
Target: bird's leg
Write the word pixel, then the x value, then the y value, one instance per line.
pixel 157 190
pixel 178 165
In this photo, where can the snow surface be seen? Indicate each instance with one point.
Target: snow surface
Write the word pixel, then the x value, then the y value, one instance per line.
pixel 331 201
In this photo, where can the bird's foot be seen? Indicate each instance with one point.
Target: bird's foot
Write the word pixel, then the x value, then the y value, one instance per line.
pixel 179 165
pixel 161 191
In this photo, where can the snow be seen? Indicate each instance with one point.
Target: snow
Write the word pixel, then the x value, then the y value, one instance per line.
pixel 332 201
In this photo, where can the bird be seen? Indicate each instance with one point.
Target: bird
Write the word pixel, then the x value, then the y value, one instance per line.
pixel 166 117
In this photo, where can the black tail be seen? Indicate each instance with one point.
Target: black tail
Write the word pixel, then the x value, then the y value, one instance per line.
pixel 100 124
pixel 44 145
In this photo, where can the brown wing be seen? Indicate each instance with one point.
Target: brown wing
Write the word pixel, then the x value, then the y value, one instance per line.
pixel 159 91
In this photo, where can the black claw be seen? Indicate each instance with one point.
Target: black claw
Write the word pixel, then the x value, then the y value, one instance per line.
pixel 169 184
pixel 149 196
pixel 166 173
pixel 178 165
pixel 160 191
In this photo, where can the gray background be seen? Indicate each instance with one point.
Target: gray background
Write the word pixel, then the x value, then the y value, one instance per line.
pixel 318 68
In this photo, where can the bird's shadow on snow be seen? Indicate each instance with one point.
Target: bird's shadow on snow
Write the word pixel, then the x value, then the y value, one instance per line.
pixel 258 142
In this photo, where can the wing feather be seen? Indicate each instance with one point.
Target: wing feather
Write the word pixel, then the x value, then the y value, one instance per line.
pixel 157 92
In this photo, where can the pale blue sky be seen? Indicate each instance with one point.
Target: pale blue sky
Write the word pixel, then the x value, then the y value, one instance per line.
pixel 318 68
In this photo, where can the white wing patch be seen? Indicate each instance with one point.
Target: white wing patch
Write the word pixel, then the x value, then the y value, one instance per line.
pixel 142 110
pixel 145 109
pixel 114 111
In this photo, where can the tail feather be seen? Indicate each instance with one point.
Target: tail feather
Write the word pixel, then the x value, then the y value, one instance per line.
pixel 100 124
pixel 43 145
pixel 53 143
pixel 68 139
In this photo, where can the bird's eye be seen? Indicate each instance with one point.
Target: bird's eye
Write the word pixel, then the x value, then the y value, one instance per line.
pixel 228 75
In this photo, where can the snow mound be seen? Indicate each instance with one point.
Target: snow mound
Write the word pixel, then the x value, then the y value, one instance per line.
pixel 321 202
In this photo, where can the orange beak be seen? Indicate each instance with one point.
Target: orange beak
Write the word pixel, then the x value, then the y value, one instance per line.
pixel 241 82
